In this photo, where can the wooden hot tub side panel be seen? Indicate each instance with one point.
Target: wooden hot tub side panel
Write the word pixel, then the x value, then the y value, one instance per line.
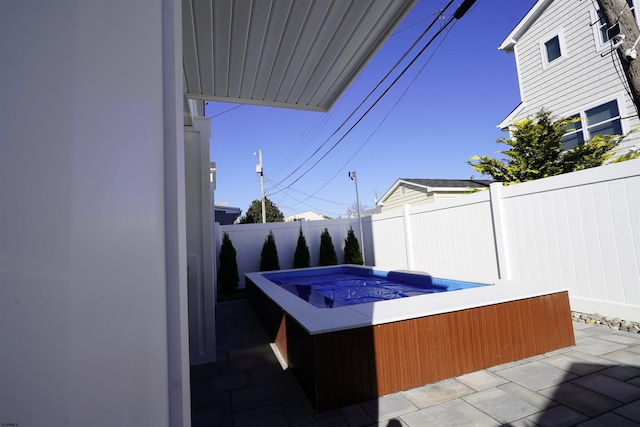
pixel 345 370
pixel 268 312
pixel 340 368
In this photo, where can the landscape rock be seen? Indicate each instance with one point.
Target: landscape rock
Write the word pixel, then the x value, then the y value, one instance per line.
pixel 598 319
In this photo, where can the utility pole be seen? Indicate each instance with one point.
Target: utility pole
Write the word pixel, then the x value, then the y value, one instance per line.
pixel 261 172
pixel 353 177
pixel 616 13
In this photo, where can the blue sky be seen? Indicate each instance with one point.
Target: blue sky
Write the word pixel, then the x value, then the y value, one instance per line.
pixel 449 113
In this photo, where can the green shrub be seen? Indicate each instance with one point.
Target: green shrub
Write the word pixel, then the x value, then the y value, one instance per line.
pixel 301 258
pixel 327 251
pixel 228 271
pixel 269 255
pixel 352 253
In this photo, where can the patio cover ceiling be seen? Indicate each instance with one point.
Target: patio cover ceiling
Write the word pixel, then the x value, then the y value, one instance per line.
pixel 288 53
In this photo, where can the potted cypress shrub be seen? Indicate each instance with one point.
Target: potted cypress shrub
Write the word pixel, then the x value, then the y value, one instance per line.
pixel 269 254
pixel 328 254
pixel 352 252
pixel 228 271
pixel 301 258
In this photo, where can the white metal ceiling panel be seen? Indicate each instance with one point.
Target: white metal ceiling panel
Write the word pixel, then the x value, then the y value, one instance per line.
pixel 290 53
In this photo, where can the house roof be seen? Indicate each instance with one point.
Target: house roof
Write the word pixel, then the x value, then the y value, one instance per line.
pixel 290 53
pixel 437 185
pixel 514 36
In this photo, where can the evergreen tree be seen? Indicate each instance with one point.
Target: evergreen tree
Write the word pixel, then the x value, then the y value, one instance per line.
pixel 328 254
pixel 535 151
pixel 254 213
pixel 301 258
pixel 269 255
pixel 228 271
pixel 352 252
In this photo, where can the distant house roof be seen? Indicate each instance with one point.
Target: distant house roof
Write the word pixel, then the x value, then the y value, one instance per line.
pixel 448 183
pixel 437 185
pixel 308 215
pixel 226 215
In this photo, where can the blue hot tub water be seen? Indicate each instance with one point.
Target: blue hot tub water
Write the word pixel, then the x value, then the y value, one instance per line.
pixel 342 286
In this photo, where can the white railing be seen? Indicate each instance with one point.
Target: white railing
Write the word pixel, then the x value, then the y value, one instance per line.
pixel 580 230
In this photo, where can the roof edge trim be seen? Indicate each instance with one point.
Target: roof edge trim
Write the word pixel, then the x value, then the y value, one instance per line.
pixel 525 23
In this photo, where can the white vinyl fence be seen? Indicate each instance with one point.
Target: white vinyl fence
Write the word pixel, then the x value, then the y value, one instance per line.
pixel 248 239
pixel 580 230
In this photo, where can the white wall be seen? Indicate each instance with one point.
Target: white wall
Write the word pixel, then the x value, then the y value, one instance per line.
pixel 83 272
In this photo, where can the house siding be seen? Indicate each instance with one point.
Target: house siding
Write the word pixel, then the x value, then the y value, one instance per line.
pixel 582 79
pixel 413 195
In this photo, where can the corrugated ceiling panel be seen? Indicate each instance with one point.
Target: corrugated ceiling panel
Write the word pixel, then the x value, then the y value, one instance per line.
pixel 301 53
pixel 306 43
pixel 189 50
pixel 239 40
pixel 255 47
pixel 350 60
pixel 222 20
pixel 291 37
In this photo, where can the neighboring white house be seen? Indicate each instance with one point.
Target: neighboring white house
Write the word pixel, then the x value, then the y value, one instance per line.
pixel 564 62
pixel 308 216
pixel 406 191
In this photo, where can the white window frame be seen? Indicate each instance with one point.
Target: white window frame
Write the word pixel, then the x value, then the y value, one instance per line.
pixel 543 49
pixel 622 113
pixel 595 26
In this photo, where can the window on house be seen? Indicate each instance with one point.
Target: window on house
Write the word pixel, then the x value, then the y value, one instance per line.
pixel 574 135
pixel 552 49
pixel 601 120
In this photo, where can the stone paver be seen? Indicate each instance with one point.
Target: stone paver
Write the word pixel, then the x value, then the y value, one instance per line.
pixel 595 383
pixel 580 399
pixel 481 380
pixel 624 357
pixel 432 394
pixel 597 347
pixel 558 416
pixel 453 413
pixel 501 405
pixel 611 387
pixel 390 406
pixel 536 375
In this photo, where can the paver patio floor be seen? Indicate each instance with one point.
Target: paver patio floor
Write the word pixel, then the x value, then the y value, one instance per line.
pixel 594 383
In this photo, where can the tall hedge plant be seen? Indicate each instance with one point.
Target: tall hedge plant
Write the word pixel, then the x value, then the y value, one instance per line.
pixel 352 252
pixel 301 258
pixel 228 271
pixel 328 254
pixel 269 254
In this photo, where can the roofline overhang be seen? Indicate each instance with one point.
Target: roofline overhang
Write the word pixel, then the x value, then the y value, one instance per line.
pixel 509 43
pixel 506 122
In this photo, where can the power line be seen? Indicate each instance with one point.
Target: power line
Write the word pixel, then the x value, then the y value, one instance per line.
pixel 404 55
pixel 377 100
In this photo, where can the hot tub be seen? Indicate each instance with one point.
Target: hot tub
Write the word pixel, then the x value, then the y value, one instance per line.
pixel 352 353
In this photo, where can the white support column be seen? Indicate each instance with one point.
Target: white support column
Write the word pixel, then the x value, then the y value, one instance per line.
pixel 499 235
pixel 200 253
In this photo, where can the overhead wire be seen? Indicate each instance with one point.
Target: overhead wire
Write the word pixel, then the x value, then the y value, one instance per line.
pixel 404 55
pixel 384 118
pixel 377 100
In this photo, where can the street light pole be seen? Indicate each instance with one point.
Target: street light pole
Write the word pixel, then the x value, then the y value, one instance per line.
pixel 353 177
pixel 261 172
